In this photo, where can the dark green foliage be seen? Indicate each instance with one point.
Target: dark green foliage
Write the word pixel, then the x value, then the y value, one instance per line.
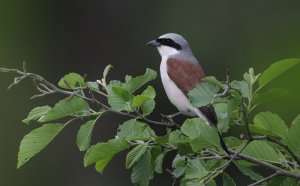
pixel 200 158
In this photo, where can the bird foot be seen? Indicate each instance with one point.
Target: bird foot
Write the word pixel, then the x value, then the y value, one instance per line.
pixel 169 118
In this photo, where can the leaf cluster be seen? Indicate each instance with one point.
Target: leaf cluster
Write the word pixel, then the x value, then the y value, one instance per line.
pixel 267 140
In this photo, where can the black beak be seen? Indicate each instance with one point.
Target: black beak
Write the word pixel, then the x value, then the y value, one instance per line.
pixel 153 43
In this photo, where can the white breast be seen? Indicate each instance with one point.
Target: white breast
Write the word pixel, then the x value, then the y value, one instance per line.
pixel 175 95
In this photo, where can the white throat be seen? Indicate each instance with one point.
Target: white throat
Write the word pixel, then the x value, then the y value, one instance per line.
pixel 166 51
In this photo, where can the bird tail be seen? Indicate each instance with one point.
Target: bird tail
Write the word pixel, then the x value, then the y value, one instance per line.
pixel 209 115
pixel 222 142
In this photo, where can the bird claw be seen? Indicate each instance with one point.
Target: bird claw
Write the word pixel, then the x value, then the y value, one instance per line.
pixel 168 118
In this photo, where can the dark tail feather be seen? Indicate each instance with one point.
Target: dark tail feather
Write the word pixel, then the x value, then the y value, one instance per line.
pixel 222 142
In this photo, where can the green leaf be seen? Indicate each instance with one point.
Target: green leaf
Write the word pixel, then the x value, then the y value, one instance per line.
pixel 119 98
pixel 135 130
pixel 247 171
pixel 142 171
pixel 36 114
pixel 270 124
pixel 233 142
pixel 242 86
pixel 145 101
pixel 227 180
pixel 102 151
pixel 159 163
pixel 223 115
pixel 101 164
pixel 139 100
pixel 65 107
pixel 203 94
pixel 283 181
pixel 93 86
pixel 195 169
pixel 135 154
pixel 262 150
pixel 197 128
pixel 276 69
pixel 293 137
pixel 148 107
pixel 72 81
pixel 213 80
pixel 134 84
pixel 269 96
pixel 176 137
pixel 84 135
pixel 296 120
pixel 37 140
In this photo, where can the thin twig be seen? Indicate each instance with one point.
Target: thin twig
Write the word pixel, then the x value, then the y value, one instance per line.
pixel 226 90
pixel 265 179
pixel 55 89
pixel 224 166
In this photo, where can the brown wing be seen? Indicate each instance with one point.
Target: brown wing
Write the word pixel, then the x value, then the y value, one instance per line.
pixel 187 76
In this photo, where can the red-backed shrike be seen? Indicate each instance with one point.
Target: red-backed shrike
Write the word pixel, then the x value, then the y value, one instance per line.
pixel 180 73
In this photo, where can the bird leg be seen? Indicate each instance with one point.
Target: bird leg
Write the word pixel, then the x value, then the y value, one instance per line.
pixel 170 117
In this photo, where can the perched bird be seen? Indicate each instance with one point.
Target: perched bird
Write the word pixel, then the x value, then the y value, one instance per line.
pixel 180 73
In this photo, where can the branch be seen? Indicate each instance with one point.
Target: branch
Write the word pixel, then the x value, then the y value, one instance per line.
pixel 278 143
pixel 265 179
pixel 268 165
pixel 224 166
pixel 51 89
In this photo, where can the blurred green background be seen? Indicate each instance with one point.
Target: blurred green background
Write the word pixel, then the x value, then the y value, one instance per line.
pixel 60 36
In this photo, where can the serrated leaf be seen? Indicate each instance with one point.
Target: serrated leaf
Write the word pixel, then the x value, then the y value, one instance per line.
pixel 159 163
pixel 134 84
pixel 176 137
pixel 37 140
pixel 135 130
pixel 276 69
pixel 65 107
pixel 197 128
pixel 101 164
pixel 72 81
pixel 233 142
pixel 93 86
pixel 283 181
pixel 293 137
pixel 145 101
pixel 148 107
pixel 269 96
pixel 223 115
pixel 84 135
pixel 268 123
pixel 195 169
pixel 119 98
pixel 139 100
pixel 203 94
pixel 102 153
pixel 142 171
pixel 134 155
pixel 227 180
pixel 242 86
pixel 296 120
pixel 247 171
pixel 262 150
pixel 213 80
pixel 36 114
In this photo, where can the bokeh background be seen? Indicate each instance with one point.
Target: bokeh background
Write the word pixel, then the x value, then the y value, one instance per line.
pixel 56 37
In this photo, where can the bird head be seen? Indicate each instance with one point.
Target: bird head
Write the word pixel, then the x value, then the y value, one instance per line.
pixel 170 44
